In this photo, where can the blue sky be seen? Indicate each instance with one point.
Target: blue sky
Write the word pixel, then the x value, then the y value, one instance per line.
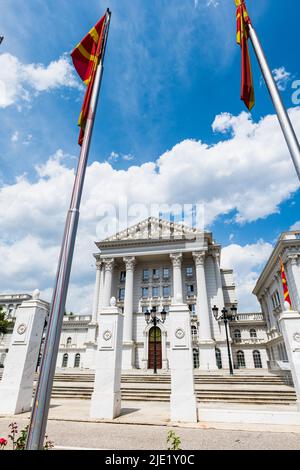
pixel 172 68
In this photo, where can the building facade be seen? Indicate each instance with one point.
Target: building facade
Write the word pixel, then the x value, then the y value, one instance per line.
pixel 150 266
pixel 269 292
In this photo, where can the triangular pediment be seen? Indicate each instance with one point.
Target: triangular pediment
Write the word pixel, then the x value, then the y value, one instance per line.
pixel 155 229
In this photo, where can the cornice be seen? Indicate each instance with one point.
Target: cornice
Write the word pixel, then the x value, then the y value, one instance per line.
pixel 283 248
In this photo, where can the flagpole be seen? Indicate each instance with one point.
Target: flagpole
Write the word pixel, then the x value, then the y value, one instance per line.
pixel 283 117
pixel 40 409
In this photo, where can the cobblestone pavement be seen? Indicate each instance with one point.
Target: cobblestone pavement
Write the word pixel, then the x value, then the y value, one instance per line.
pixel 134 437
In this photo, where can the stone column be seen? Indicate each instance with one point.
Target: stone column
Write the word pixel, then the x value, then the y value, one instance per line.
pixel 108 268
pixel 102 279
pixel 106 398
pixel 96 292
pixel 290 327
pixel 206 343
pixel 183 403
pixel 177 277
pixel 128 344
pixel 296 275
pixel 88 361
pixel 220 294
pixel 16 387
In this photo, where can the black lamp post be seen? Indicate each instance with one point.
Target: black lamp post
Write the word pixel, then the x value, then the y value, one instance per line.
pixel 151 317
pixel 226 316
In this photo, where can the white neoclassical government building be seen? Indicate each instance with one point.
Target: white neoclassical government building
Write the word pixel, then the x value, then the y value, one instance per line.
pixel 145 267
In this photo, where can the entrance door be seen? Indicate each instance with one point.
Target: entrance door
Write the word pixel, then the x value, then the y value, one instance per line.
pixel 155 334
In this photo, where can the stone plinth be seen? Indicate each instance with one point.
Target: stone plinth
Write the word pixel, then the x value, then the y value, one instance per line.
pixel 290 327
pixel 183 399
pixel 106 399
pixel 16 387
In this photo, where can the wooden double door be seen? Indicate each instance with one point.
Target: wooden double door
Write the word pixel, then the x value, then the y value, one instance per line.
pixel 155 337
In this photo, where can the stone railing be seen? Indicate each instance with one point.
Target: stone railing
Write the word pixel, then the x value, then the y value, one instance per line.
pixel 251 341
pixel 294 235
pixel 246 317
pixel 273 334
pixel 79 318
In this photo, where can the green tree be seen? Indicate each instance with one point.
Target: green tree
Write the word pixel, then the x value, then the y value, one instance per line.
pixel 3 322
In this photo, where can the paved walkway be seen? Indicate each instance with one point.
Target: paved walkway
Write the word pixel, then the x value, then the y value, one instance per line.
pixel 74 415
pixel 84 435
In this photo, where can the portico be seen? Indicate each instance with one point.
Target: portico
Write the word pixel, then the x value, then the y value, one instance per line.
pixel 148 266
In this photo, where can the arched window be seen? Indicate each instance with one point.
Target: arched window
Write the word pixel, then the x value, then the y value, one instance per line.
pixel 253 333
pixel 194 331
pixel 237 334
pixel 257 360
pixel 77 360
pixel 219 359
pixel 65 360
pixel 241 360
pixel 196 358
pixel 69 341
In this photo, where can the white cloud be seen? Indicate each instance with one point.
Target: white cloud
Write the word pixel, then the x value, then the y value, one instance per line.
pixel 295 226
pixel 19 82
pixel 247 262
pixel 15 137
pixel 248 172
pixel 282 78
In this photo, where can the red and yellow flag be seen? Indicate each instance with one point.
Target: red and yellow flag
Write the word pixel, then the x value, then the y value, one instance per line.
pixel 286 292
pixel 247 87
pixel 86 57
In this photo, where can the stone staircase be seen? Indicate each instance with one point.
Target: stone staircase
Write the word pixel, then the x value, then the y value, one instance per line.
pixel 241 388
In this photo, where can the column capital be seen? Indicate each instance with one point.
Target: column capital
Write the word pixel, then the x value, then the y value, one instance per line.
pixel 109 264
pixel 293 259
pixel 99 264
pixel 176 259
pixel 130 262
pixel 199 257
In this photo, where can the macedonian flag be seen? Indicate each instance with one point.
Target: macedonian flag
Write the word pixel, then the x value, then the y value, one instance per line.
pixel 286 292
pixel 243 20
pixel 86 57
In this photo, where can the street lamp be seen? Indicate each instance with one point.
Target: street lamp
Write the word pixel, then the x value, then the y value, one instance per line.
pixel 226 316
pixel 151 317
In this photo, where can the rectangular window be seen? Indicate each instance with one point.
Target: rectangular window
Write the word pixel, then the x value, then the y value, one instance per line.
pixel 192 308
pixel 145 292
pixel 122 276
pixel 189 271
pixel 155 291
pixel 166 291
pixel 190 289
pixel 145 274
pixel 156 273
pixel 121 294
pixel 278 298
pixel 166 273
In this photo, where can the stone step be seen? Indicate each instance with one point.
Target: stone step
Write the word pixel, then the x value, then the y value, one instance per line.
pixel 164 379
pixel 209 395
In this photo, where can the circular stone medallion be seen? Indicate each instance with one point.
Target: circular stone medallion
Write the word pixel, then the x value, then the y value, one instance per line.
pixel 21 329
pixel 107 335
pixel 297 337
pixel 179 333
